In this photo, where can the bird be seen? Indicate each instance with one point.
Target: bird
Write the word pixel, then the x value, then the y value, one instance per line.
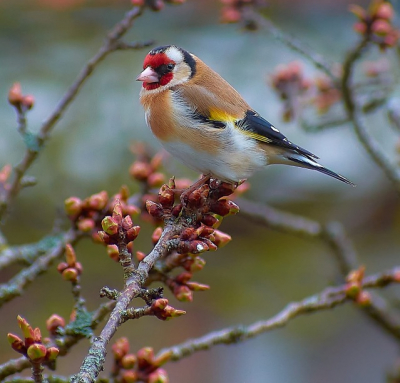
pixel 202 120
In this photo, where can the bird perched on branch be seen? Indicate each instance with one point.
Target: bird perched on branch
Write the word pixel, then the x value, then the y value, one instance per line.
pixel 203 120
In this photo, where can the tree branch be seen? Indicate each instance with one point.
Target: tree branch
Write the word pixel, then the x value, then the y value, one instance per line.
pixel 32 151
pixel 93 362
pixel 17 284
pixel 327 299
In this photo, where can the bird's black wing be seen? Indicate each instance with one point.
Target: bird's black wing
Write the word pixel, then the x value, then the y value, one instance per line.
pixel 253 125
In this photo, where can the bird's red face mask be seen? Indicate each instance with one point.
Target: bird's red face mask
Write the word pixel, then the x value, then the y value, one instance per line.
pixel 157 71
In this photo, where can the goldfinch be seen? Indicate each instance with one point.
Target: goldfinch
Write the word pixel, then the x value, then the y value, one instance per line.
pixel 203 120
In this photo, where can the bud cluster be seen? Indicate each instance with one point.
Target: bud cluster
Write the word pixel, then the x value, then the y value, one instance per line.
pixel 31 346
pixel 376 23
pixel 143 366
pixel 354 287
pixel 118 228
pixel 18 100
pixel 326 94
pixel 87 214
pixel 182 287
pixel 155 5
pixel 232 10
pixel 71 269
pixel 290 83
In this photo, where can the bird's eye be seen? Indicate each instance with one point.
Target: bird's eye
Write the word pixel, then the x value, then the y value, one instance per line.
pixel 170 66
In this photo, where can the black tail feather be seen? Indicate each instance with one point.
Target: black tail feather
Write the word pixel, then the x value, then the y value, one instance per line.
pixel 310 164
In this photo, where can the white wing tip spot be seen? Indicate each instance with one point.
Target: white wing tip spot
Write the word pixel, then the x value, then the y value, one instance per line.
pixel 274 129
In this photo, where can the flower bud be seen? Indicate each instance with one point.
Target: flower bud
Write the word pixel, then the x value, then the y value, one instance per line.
pixel 364 299
pixel 360 28
pixel 132 233
pixel 166 197
pixel 198 247
pixel 98 201
pixel 176 210
pixel 120 348
pixel 70 255
pixel 384 11
pixel 128 361
pixel 36 352
pixel 109 225
pixel 221 238
pixel 54 322
pixel 26 328
pixel 104 237
pixel 113 252
pixel 16 343
pixel 28 101
pixel 52 353
pixel 140 256
pixel 86 225
pixel 210 221
pixel 381 27
pixel 15 94
pixel 129 376
pixel 70 274
pixel 156 235
pixel 159 304
pixel 183 294
pixel 145 357
pixel 156 179
pixel 140 170
pixel 195 286
pixel 154 209
pixel 158 376
pixel 230 15
pixel 73 206
pixel 352 289
pixel 127 223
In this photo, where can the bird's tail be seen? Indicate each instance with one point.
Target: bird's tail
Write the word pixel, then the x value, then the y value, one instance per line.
pixel 306 162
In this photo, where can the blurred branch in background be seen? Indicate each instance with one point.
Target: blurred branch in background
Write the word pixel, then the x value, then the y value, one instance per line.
pixel 34 142
pixel 186 225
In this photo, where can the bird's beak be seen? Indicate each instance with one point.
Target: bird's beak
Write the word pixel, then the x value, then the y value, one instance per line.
pixel 148 75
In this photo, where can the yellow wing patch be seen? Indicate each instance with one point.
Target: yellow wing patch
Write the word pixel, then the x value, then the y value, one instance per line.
pixel 220 115
pixel 253 135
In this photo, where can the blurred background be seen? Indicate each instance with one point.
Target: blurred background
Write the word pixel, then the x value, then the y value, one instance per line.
pixel 44 44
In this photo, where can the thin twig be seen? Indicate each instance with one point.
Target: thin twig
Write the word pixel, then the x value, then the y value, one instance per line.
pixel 335 236
pixel 298 46
pixel 93 362
pixel 15 287
pixel 110 45
pixel 327 299
pixel 354 113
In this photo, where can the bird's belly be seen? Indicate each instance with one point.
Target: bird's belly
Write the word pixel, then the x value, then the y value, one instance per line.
pixel 228 165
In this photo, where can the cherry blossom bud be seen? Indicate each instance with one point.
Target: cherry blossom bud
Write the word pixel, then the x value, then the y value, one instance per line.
pixel 385 11
pixel 128 361
pixel 113 252
pixel 156 235
pixel 36 352
pixel 156 179
pixel 109 225
pixel 73 206
pixel 129 376
pixel 120 348
pixel 154 209
pixel 140 170
pixel 54 322
pixel 158 376
pixel 86 225
pixel 145 357
pixel 28 101
pixel 15 94
pixel 52 353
